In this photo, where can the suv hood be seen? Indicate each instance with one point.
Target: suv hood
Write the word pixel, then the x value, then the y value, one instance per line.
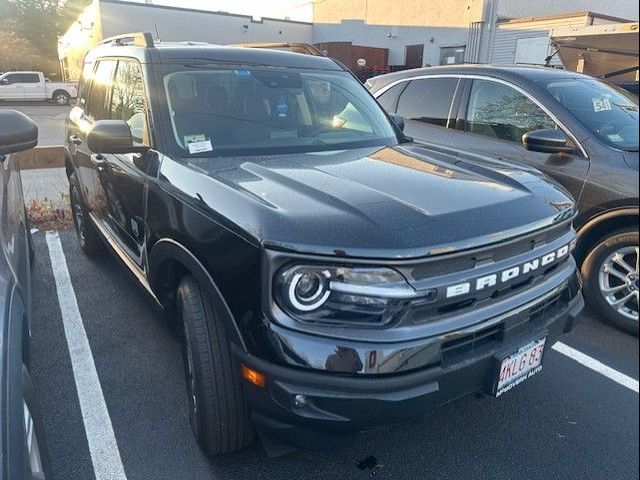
pixel 391 202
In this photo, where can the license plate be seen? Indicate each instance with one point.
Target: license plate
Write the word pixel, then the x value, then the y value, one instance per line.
pixel 520 366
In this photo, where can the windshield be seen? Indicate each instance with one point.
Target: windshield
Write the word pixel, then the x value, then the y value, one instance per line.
pixel 263 110
pixel 609 114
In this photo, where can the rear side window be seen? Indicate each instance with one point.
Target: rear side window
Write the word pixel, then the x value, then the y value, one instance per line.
pixel 29 78
pixel 389 99
pixel 128 101
pixel 97 101
pixel 500 111
pixel 428 100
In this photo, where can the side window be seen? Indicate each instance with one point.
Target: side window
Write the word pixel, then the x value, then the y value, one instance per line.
pixel 85 82
pixel 389 99
pixel 97 101
pixel 428 100
pixel 128 102
pixel 11 79
pixel 30 78
pixel 499 111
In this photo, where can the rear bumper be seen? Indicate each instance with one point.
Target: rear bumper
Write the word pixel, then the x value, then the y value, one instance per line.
pixel 340 405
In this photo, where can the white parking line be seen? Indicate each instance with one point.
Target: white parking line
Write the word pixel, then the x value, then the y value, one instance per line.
pixel 597 366
pixel 103 447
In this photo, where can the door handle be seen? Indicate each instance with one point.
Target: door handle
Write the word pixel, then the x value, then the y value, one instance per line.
pixel 75 140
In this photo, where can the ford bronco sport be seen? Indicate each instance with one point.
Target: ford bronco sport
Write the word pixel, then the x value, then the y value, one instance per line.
pixel 326 274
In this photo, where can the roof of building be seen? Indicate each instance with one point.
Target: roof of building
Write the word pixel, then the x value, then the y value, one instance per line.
pixel 144 48
pixel 583 13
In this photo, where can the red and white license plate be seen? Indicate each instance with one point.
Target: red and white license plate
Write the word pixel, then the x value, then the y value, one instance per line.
pixel 519 366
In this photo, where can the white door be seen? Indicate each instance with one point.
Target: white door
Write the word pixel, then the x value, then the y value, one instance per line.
pixel 33 88
pixel 11 87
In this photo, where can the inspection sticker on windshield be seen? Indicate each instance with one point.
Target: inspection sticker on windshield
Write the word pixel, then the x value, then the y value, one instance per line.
pixel 198 143
pixel 601 104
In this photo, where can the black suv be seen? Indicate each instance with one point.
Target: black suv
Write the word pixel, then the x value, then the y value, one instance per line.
pixel 574 128
pixel 327 275
pixel 23 450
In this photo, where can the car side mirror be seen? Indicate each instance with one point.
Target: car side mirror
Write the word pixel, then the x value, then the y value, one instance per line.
pixel 112 136
pixel 17 132
pixel 547 141
pixel 398 121
pixel 4 81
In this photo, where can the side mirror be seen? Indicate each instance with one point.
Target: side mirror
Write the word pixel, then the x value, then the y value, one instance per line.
pixel 112 136
pixel 4 81
pixel 17 132
pixel 398 120
pixel 547 141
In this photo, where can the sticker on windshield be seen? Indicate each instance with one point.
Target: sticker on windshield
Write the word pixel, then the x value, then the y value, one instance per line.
pixel 615 138
pixel 601 104
pixel 198 143
pixel 200 147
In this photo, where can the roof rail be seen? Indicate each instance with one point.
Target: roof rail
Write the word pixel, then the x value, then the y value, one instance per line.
pixel 139 39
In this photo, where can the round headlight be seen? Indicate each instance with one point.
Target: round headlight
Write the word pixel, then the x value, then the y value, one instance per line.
pixel 308 290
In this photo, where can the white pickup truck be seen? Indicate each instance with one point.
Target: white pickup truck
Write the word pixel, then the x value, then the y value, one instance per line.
pixel 32 86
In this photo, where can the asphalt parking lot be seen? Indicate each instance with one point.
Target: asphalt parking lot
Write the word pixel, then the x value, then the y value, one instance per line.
pixel 48 117
pixel 567 422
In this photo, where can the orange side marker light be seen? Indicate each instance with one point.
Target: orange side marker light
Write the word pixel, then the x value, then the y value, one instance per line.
pixel 251 376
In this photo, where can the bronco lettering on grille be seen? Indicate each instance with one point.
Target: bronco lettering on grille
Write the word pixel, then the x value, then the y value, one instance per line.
pixel 507 275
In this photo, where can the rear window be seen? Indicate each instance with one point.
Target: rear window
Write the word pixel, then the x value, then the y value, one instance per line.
pixel 428 100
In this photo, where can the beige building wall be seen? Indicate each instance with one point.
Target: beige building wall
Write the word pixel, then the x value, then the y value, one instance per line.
pixel 450 13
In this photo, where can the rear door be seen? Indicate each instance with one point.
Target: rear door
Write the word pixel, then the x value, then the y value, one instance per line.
pixel 427 106
pixel 33 86
pixel 11 88
pixel 494 117
pixel 121 178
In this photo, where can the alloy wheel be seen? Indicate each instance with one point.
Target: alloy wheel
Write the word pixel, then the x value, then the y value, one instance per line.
pixel 618 280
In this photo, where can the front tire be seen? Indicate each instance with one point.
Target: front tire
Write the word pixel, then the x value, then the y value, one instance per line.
pixel 86 232
pixel 218 411
pixel 611 279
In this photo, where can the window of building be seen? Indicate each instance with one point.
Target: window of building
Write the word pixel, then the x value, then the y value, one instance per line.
pixel 452 55
pixel 428 100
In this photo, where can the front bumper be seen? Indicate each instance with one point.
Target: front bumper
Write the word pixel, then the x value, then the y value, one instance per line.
pixel 339 405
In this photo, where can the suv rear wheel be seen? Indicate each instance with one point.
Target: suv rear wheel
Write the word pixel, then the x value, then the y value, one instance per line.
pixel 611 279
pixel 85 231
pixel 218 410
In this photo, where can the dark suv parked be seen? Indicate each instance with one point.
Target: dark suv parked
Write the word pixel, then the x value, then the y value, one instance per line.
pixel 23 451
pixel 578 130
pixel 326 275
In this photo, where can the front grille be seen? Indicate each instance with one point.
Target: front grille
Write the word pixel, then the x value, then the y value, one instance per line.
pixel 457 263
pixel 458 349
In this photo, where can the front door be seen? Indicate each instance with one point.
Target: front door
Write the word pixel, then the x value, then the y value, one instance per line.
pixel 498 115
pixel 413 56
pixel 93 106
pixel 121 178
pixel 11 88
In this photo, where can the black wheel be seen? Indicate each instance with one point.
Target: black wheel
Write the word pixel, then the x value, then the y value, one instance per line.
pixel 61 98
pixel 218 410
pixel 611 279
pixel 85 230
pixel 36 456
